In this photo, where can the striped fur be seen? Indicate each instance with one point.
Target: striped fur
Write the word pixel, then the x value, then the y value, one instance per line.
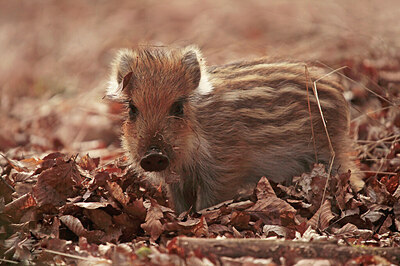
pixel 241 121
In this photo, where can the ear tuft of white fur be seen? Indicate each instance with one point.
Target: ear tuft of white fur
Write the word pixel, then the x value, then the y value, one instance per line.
pixel 119 66
pixel 113 91
pixel 205 87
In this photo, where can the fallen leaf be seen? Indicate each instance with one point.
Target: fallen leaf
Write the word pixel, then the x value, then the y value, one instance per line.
pixel 218 229
pixel 322 217
pixel 91 205
pixel 201 229
pixel 153 226
pixel 23 202
pixel 275 230
pixel 240 220
pixel 264 189
pixel 73 224
pixel 117 193
pixel 273 211
pixel 100 218
pixel 88 163
pixel 56 184
pixel 25 165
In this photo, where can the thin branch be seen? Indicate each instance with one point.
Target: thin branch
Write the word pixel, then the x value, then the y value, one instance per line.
pixel 326 132
pixel 69 255
pixel 9 261
pixel 378 172
pixel 324 124
pixel 362 85
pixel 309 111
pixel 370 113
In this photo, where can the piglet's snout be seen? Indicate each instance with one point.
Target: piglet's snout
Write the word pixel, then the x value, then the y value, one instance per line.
pixel 154 160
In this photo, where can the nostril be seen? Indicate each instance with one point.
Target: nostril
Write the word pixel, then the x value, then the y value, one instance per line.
pixel 154 162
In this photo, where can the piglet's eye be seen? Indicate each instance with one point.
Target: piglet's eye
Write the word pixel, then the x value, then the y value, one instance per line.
pixel 133 111
pixel 177 109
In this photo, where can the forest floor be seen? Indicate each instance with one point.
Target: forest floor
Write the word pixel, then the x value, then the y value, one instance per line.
pixel 67 196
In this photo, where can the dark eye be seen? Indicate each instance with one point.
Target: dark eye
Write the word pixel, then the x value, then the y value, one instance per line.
pixel 133 111
pixel 177 109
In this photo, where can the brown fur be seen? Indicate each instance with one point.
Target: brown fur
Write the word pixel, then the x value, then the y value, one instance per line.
pixel 254 122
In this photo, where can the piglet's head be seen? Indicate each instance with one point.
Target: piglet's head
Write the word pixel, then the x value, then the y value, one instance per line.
pixel 158 86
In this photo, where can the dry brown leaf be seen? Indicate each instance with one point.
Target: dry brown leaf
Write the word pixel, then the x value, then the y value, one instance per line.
pixel 275 230
pixel 240 220
pixel 25 165
pixel 153 226
pixel 322 217
pixel 377 192
pixel 391 183
pixel 241 205
pixel 264 189
pixel 350 230
pixel 273 211
pixel 117 193
pixel 375 212
pixel 218 229
pixel 201 229
pixel 23 202
pixel 73 224
pixel 136 209
pixel 112 234
pixel 128 226
pixel 88 163
pixel 386 224
pixel 312 185
pixel 100 179
pixel 346 230
pixel 189 222
pixel 91 205
pixel 342 194
pixel 56 184
pixel 99 217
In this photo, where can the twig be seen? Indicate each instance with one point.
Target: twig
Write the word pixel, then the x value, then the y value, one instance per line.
pixel 379 172
pixel 369 142
pixel 69 255
pixel 362 85
pixel 326 132
pixel 325 127
pixel 9 261
pixel 390 137
pixel 5 183
pixel 309 111
pixel 376 159
pixel 370 113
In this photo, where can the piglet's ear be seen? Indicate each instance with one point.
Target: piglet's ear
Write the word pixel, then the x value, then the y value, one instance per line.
pixel 121 74
pixel 125 81
pixel 190 61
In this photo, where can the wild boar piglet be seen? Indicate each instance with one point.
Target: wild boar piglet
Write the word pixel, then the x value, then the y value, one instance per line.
pixel 219 129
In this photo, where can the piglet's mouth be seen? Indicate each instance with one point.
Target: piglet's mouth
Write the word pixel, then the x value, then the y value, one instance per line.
pixel 154 160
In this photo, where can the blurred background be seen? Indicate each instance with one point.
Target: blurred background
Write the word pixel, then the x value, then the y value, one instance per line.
pixel 55 55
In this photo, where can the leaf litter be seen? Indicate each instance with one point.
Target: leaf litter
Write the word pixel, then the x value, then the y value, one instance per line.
pixel 62 208
pixel 69 209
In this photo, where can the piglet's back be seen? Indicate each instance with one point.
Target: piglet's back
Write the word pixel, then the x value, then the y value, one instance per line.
pixel 258 121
